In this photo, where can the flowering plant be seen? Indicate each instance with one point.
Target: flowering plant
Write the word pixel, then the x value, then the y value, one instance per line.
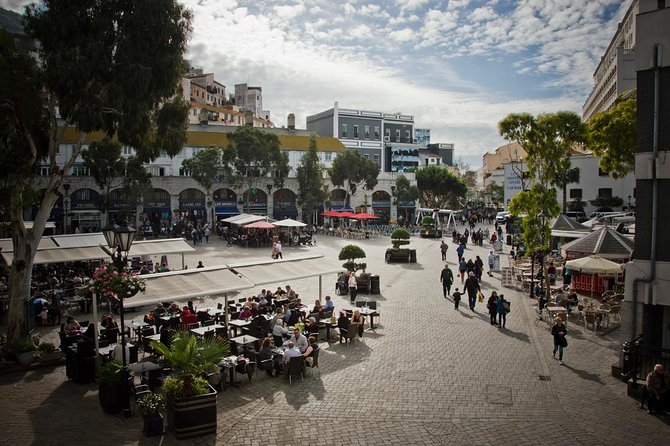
pixel 109 282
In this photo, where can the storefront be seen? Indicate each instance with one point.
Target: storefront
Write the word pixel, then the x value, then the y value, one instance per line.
pixel 255 202
pixel 406 211
pixel 381 206
pixel 85 215
pixel 339 201
pixel 192 206
pixel 119 207
pixel 225 203
pixel 283 204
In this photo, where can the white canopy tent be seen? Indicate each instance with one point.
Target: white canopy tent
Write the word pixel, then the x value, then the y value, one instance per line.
pixel 242 219
pixel 79 240
pixel 290 223
pixel 6 244
pixel 61 255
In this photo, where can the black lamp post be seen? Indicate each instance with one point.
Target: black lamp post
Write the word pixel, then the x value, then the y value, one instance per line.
pixel 66 203
pixel 629 197
pixel 120 239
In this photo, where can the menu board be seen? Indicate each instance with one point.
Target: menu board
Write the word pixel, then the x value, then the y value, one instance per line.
pixel 507 277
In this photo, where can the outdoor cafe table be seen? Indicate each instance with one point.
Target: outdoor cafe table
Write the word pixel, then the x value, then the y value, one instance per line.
pixel 555 311
pixel 368 312
pixel 236 324
pixel 202 330
pixel 229 362
pixel 244 340
pixel 139 368
pixel 328 324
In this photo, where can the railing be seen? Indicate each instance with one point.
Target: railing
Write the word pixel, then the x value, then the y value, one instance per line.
pixel 639 360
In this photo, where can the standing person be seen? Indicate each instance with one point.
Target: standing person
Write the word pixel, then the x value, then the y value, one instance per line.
pixel 502 307
pixel 279 250
pixel 208 232
pixel 460 250
pixel 479 268
pixel 558 331
pixel 492 306
pixel 472 287
pixel 462 269
pixel 447 278
pixel 490 260
pixel 457 298
pixel 443 250
pixel 658 386
pixel 353 287
pixel 200 265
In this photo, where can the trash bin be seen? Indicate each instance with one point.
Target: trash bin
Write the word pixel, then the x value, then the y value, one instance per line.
pixel 412 255
pixel 509 239
pixel 375 285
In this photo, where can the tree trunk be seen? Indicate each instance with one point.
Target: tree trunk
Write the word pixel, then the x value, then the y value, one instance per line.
pixel 565 198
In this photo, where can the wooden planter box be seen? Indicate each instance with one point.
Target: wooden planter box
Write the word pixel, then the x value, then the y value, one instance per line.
pixel 111 398
pixel 400 255
pixel 154 425
pixel 192 416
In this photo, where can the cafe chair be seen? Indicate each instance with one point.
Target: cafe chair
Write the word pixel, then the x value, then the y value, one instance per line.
pixel 349 334
pixel 265 363
pixel 296 368
pixel 219 306
pixel 192 326
pixel 372 304
pixel 315 363
pixel 208 323
pixel 214 380
pixel 111 335
pixel 361 303
pixel 590 318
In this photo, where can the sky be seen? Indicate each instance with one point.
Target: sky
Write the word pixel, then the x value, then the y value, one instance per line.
pixel 457 66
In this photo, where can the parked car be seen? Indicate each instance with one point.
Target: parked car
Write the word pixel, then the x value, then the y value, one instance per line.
pixel 501 217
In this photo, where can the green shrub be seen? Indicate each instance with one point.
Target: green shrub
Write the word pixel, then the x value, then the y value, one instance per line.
pixel 427 220
pixel 25 347
pixel 151 404
pixel 174 386
pixel 46 347
pixel 350 253
pixel 400 237
pixel 110 373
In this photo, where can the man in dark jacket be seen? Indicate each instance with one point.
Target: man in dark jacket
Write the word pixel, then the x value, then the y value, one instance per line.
pixel 472 287
pixel 447 278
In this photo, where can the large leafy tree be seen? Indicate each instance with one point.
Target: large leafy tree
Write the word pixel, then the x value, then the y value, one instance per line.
pixel 253 154
pixel 405 192
pixel 611 136
pixel 495 192
pixel 136 181
pixel 439 188
pixel 564 178
pixel 204 167
pixel 104 163
pixel 352 171
pixel 310 181
pixel 110 66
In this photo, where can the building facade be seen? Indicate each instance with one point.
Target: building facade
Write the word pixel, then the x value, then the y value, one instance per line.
pixel 615 74
pixel 646 305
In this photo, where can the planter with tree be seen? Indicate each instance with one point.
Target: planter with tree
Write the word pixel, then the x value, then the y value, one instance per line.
pixel 400 237
pixel 110 387
pixel 47 352
pixel 25 352
pixel 150 407
pixel 190 400
pixel 429 228
pixel 350 253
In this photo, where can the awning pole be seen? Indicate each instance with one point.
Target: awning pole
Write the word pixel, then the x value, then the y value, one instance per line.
pixel 225 314
pixel 95 332
pixel 182 260
pixel 320 287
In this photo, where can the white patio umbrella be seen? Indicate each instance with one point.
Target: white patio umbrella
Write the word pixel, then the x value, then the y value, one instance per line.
pixel 593 265
pixel 290 223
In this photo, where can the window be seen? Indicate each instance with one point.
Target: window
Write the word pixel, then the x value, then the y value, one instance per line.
pixel 367 132
pixel 80 170
pixel 127 150
pixel 575 194
pixel 157 171
pixel 605 193
pixel 376 132
pixel 345 133
pixel 602 173
pixel 367 156
pixel 45 171
pixel 355 131
pixel 407 136
pixel 328 156
pixel 184 172
pixel 387 132
pixel 397 136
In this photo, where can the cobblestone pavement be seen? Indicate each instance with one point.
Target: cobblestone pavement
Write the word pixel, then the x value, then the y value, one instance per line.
pixel 428 375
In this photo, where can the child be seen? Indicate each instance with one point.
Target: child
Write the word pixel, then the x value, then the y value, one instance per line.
pixel 457 298
pixel 44 315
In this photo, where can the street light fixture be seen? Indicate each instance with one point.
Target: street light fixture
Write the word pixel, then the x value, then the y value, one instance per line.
pixel 120 240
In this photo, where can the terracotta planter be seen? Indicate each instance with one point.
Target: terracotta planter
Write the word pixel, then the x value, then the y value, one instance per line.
pixel 192 416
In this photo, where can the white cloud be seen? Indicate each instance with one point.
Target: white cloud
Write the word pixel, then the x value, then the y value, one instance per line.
pixel 403 35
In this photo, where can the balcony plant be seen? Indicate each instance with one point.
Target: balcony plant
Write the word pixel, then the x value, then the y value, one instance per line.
pixel 190 400
pixel 111 283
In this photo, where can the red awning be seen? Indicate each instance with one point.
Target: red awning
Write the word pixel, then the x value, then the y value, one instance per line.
pixel 259 225
pixel 365 216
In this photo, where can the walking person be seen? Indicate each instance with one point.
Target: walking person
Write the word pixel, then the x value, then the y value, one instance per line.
pixel 462 269
pixel 558 331
pixel 447 278
pixel 502 308
pixel 491 261
pixel 207 233
pixel 353 287
pixel 460 250
pixel 492 306
pixel 279 250
pixel 472 287
pixel 457 298
pixel 443 250
pixel 479 268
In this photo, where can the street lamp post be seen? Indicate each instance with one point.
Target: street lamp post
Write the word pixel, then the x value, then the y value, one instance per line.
pixel 120 239
pixel 629 197
pixel 66 202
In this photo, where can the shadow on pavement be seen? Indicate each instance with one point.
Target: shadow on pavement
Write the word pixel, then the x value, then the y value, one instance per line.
pixel 515 334
pixel 583 374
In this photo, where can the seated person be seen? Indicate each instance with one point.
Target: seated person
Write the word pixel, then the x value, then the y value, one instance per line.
pixel 329 305
pixel 279 331
pixel 174 309
pixel 318 308
pixel 658 388
pixel 290 293
pixel 311 350
pixel 160 310
pixel 185 311
pixel 89 333
pixel 254 309
pixel 166 334
pixel 343 323
pixel 245 313
pixel 149 318
pixel 291 352
pixel 298 340
pixel 279 292
pixel 108 322
pixel 572 297
pixel 551 273
pixel 72 326
pixel 356 318
pixel 311 327
pixel 266 352
pixel 191 308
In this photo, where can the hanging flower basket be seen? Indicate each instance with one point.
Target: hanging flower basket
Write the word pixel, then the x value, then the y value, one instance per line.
pixel 109 282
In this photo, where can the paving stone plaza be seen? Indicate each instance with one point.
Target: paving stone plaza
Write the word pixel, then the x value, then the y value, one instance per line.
pixel 427 375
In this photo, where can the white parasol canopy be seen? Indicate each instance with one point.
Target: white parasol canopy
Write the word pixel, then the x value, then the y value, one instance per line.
pixel 593 265
pixel 290 223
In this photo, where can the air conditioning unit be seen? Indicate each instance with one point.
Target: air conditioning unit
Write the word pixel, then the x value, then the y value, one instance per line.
pixel 387 139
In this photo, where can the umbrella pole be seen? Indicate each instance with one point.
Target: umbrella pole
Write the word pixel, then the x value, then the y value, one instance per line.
pixel 320 287
pixel 95 331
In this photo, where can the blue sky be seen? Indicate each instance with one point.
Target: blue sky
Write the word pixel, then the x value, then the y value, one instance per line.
pixel 458 66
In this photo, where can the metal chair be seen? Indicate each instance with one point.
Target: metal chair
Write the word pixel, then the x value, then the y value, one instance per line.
pixel 208 323
pixel 349 334
pixel 361 303
pixel 372 304
pixel 315 362
pixel 296 368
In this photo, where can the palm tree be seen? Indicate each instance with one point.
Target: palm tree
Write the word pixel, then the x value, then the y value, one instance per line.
pixel 191 356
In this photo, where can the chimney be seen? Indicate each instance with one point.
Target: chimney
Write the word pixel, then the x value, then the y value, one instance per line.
pixel 290 121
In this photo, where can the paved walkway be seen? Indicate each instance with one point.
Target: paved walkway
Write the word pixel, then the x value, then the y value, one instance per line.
pixel 428 374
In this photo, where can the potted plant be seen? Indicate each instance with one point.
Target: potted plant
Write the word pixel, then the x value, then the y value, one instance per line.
pixel 121 285
pixel 25 352
pixel 190 400
pixel 47 352
pixel 400 237
pixel 150 407
pixel 350 253
pixel 110 388
pixel 429 228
